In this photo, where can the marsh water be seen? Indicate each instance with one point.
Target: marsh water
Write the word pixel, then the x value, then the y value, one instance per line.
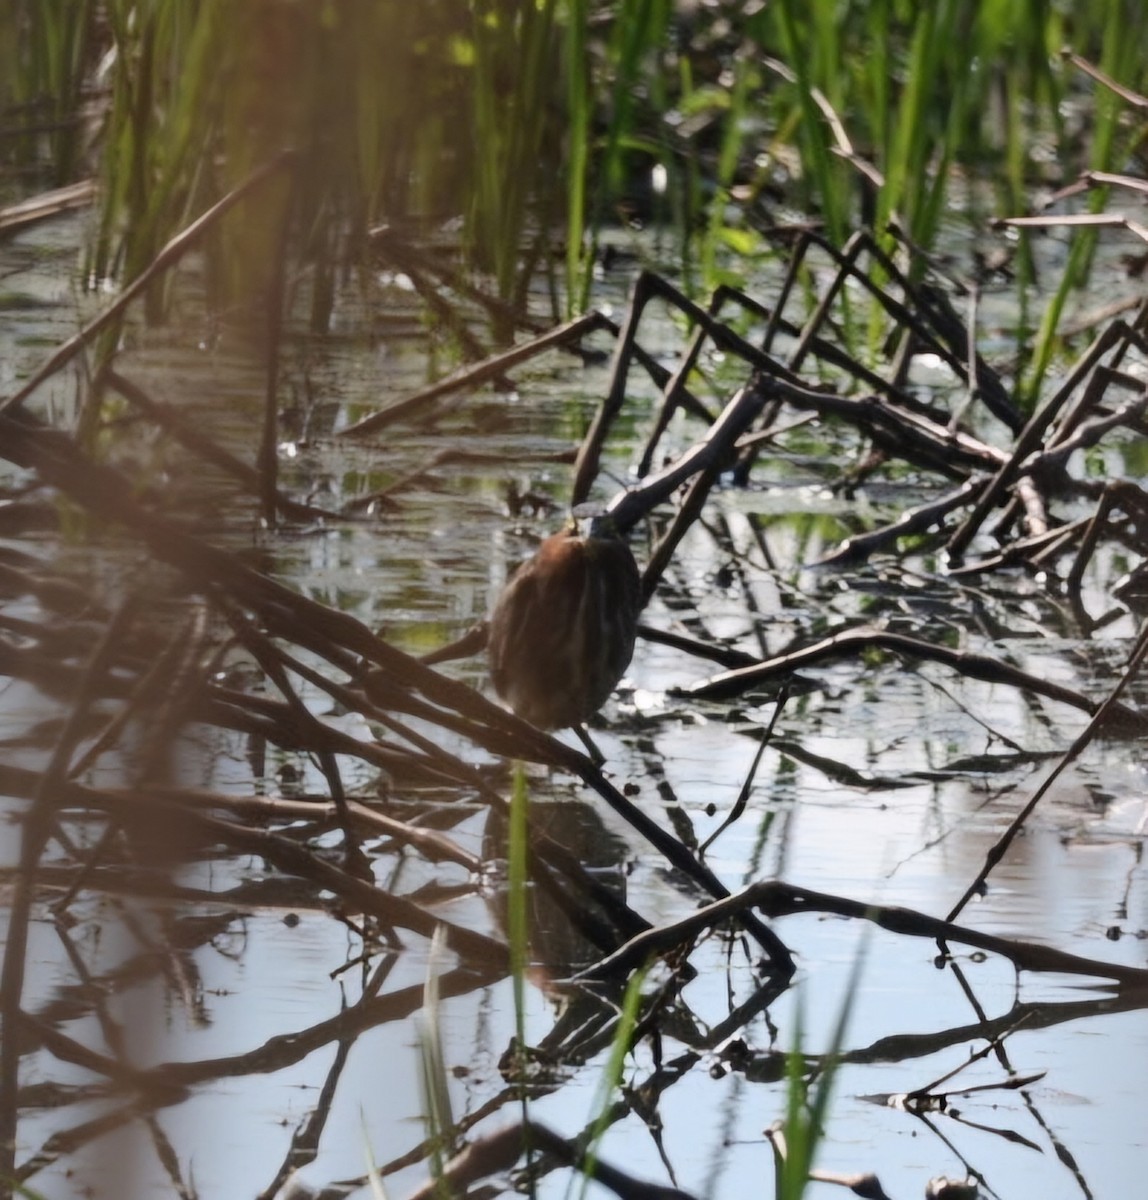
pixel 884 781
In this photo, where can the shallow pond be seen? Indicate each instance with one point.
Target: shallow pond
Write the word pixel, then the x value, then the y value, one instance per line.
pixel 248 1039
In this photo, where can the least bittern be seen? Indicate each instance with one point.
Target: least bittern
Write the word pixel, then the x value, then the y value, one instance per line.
pixel 563 630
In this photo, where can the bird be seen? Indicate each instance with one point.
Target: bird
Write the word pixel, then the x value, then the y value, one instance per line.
pixel 563 629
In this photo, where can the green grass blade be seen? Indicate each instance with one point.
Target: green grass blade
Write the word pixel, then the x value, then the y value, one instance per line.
pixel 611 1078
pixel 578 119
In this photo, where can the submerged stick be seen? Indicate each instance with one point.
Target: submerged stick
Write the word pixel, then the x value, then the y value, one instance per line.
pixel 777 899
pixel 472 376
pixel 976 666
pixel 496 1153
pixel 1027 443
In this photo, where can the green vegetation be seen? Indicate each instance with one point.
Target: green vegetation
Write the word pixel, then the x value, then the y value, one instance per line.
pixel 48 56
pixel 534 122
pixel 435 1089
pixel 518 906
pixel 806 1101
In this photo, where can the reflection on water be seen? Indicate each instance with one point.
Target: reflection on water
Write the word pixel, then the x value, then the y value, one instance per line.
pixel 200 1019
pixel 577 891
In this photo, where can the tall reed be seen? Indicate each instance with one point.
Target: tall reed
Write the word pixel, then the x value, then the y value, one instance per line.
pixel 529 121
pixel 48 52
